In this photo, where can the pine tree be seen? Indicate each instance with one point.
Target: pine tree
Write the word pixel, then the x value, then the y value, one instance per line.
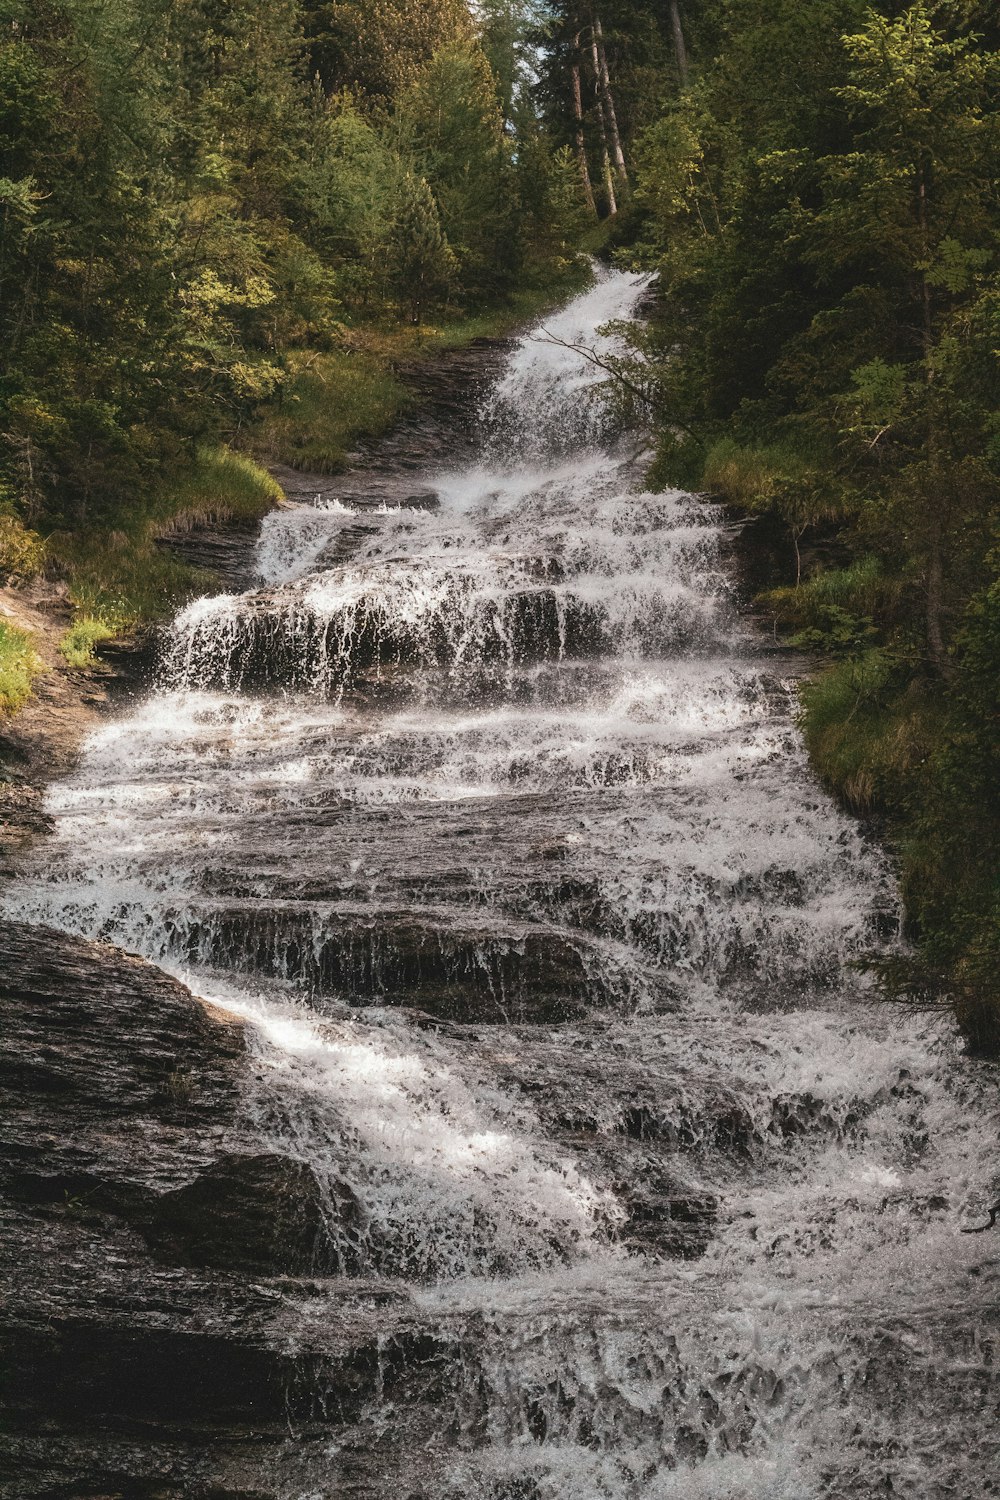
pixel 423 265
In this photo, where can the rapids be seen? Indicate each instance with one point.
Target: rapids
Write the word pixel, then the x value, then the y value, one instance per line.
pixel 491 817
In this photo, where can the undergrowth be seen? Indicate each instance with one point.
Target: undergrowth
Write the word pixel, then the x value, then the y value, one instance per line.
pixel 889 740
pixel 329 400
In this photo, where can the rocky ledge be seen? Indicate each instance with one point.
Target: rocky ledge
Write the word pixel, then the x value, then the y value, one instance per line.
pixel 146 1249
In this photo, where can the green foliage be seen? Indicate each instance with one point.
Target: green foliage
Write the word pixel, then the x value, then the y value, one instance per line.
pixel 330 400
pixel 424 268
pixel 187 214
pixel 749 477
pixel 120 577
pixel 455 216
pixel 376 47
pixel 821 204
pixel 866 731
pixel 836 610
pixel 124 579
pixel 19 666
pixel 219 486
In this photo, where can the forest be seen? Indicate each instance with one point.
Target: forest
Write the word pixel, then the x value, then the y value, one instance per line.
pixel 224 223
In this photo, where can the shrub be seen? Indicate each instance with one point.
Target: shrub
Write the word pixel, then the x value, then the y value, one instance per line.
pixel 22 552
pixel 868 735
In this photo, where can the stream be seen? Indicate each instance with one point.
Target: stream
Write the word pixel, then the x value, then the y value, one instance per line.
pixel 490 815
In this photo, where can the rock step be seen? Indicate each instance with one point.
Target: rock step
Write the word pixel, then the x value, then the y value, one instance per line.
pixel 270 640
pixel 442 963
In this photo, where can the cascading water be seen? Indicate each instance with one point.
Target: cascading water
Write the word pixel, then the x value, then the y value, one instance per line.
pixel 493 821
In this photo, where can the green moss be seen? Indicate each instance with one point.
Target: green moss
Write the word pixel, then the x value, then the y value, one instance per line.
pixel 19 666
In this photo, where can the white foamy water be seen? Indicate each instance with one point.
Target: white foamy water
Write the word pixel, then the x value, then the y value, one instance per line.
pixel 493 822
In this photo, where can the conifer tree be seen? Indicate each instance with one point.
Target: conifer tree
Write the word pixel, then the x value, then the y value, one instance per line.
pixel 423 264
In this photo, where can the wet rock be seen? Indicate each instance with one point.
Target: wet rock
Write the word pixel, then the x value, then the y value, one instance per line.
pixel 136 1336
pixel 223 549
pixel 441 964
pixel 280 639
pixel 253 1214
pixel 109 1069
pixel 665 1215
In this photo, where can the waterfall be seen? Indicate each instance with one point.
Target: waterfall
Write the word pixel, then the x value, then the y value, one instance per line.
pixel 491 817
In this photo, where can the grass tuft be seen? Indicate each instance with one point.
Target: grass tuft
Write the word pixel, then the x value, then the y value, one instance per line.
pixel 220 487
pixel 20 664
pixel 77 645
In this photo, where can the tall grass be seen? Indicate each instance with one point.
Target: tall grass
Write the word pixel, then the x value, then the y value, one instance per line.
pixel 745 477
pixel 120 578
pixel 220 486
pixel 20 664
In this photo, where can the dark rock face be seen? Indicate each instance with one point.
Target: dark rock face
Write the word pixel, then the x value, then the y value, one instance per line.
pixel 454 970
pixel 255 1214
pixel 124 1365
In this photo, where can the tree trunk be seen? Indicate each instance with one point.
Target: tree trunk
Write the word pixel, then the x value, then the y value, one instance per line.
pixel 935 588
pixel 936 649
pixel 609 181
pixel 608 100
pixel 679 47
pixel 579 139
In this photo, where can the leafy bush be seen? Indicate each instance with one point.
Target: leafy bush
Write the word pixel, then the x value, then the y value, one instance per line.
pixel 22 552
pixel 836 610
pixel 868 730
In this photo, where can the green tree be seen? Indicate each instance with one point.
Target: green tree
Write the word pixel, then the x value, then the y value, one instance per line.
pixel 377 47
pixel 449 120
pixel 423 264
